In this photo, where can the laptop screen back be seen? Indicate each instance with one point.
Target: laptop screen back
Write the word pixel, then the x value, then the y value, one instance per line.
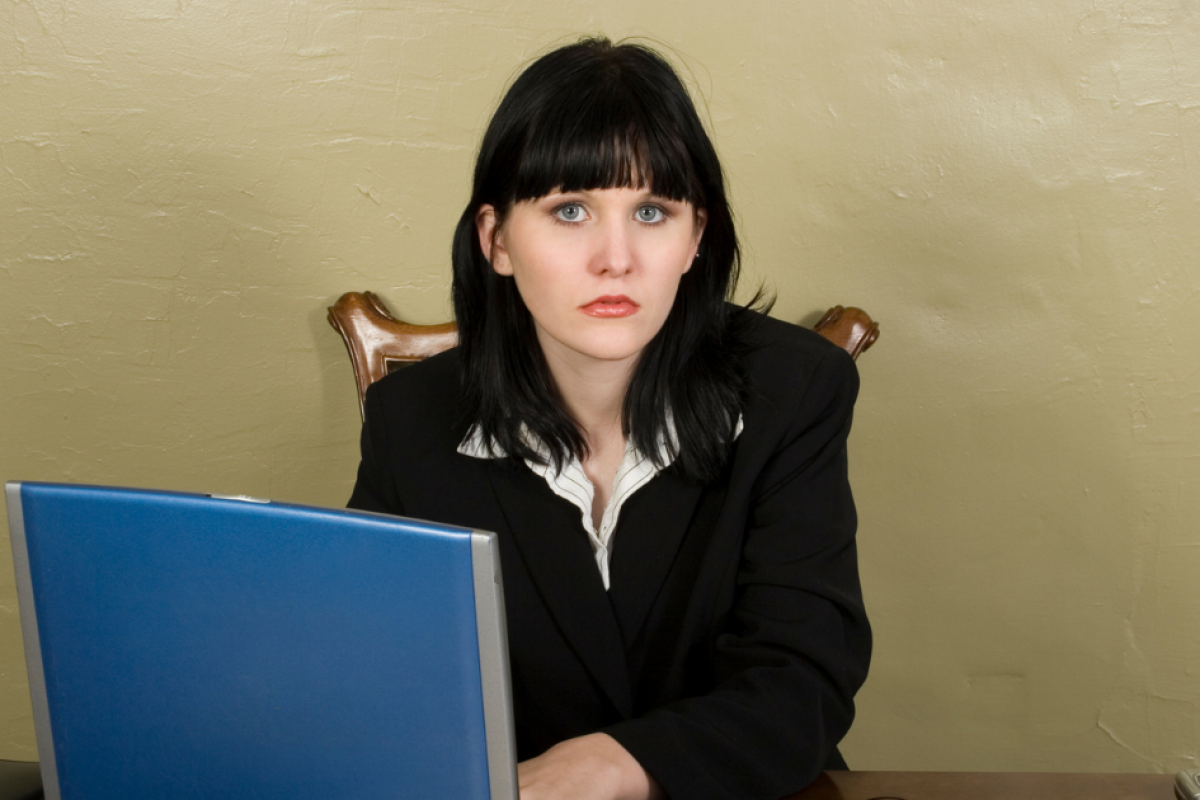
pixel 197 647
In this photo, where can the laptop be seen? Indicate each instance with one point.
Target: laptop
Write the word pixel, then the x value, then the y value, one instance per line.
pixel 194 646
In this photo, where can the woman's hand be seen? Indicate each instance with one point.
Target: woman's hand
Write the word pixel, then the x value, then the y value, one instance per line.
pixel 592 767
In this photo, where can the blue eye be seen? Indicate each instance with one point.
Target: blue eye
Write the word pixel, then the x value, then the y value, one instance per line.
pixel 650 214
pixel 571 212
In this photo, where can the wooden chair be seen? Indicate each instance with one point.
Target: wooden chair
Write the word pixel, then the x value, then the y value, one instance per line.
pixel 379 343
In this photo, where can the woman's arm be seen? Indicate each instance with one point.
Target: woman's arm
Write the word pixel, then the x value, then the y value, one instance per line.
pixel 795 647
pixel 374 489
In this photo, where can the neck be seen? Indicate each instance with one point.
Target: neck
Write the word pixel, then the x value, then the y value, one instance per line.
pixel 592 391
pixel 594 396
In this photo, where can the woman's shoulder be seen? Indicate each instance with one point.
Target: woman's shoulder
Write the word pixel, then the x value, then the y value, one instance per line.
pixel 786 362
pixel 434 374
pixel 426 393
pixel 771 341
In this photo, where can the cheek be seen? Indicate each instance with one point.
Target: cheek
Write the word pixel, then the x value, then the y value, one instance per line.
pixel 541 270
pixel 676 263
pixel 540 286
pixel 676 256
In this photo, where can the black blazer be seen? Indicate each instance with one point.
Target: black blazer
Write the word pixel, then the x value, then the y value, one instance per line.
pixel 726 655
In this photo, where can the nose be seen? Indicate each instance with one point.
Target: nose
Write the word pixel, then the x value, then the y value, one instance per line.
pixel 614 254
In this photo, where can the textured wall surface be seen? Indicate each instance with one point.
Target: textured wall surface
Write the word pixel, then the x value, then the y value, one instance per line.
pixel 1012 188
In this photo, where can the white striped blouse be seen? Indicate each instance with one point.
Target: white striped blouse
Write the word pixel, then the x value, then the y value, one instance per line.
pixel 635 471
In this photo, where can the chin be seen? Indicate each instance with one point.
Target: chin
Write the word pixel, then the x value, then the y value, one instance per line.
pixel 607 343
pixel 610 351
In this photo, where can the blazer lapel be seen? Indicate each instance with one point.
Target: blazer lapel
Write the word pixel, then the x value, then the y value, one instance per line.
pixel 555 549
pixel 648 536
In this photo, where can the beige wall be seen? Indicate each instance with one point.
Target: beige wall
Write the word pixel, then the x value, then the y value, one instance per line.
pixel 1012 188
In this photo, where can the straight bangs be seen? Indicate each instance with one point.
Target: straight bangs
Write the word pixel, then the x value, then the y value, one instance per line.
pixel 606 138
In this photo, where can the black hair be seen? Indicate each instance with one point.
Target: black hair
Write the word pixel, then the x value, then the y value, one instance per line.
pixel 594 115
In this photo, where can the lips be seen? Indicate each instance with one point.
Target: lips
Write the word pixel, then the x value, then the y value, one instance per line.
pixel 610 306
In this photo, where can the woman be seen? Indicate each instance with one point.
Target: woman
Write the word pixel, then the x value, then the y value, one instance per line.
pixel 666 472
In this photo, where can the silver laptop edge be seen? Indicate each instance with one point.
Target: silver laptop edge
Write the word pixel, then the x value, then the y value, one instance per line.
pixel 33 647
pixel 493 662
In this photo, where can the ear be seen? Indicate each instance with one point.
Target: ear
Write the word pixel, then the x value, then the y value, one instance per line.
pixel 698 223
pixel 491 240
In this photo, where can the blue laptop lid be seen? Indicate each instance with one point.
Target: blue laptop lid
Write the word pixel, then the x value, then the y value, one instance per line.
pixel 197 647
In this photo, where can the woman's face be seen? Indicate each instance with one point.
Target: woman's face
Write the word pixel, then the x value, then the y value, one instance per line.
pixel 598 270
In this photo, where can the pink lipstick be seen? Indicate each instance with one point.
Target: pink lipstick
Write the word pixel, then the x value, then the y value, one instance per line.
pixel 610 306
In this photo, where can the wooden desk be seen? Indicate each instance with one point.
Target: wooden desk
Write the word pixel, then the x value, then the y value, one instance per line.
pixel 834 785
pixel 21 781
